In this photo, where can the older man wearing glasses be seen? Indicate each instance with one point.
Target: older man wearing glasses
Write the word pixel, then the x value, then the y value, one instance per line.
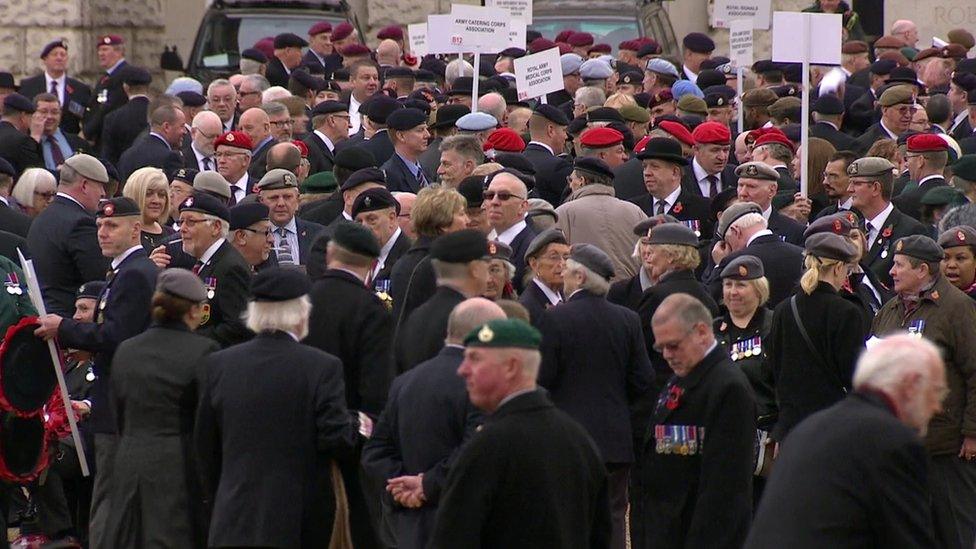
pixel 506 205
pixel 897 108
pixel 198 154
pixel 233 156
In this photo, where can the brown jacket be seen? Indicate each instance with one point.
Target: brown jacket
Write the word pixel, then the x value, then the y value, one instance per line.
pixel 949 318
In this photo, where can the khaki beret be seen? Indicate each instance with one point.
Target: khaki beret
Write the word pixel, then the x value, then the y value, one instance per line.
pixel 870 166
pixel 757 170
pixel 278 178
pixel 692 104
pixel 919 247
pixel 897 95
pixel 733 213
pixel 962 37
pixel 783 106
pixel 633 113
pixel 88 167
pixel 889 42
pixel 759 97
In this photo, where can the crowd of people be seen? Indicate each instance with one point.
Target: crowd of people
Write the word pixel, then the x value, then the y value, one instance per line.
pixel 337 300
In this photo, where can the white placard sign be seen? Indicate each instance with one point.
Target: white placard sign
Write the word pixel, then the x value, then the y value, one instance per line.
pixel 417 33
pixel 516 9
pixel 824 41
pixel 516 33
pixel 479 29
pixel 726 11
pixel 538 74
pixel 439 39
pixel 740 42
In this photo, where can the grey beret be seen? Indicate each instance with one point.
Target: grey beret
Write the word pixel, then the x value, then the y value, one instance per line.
pixel 476 122
pixel 870 166
pixel 183 284
pixel 744 267
pixel 757 170
pixel 920 247
pixel 594 69
pixel 673 234
pixel 570 63
pixel 213 183
pixel 544 239
pixel 88 167
pixel 832 246
pixel 592 258
pixel 734 212
pixel 278 178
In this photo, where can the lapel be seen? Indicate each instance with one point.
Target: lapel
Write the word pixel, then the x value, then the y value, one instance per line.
pixel 211 266
pixel 883 239
pixel 684 384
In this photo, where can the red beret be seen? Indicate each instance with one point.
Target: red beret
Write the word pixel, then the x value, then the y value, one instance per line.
pixel 660 97
pixel 599 138
pixel 679 132
pixel 926 142
pixel 579 39
pixel 641 144
pixel 775 137
pixel 265 46
pixel 564 35
pixel 302 147
pixel 110 40
pixel 504 140
pixel 600 48
pixel 712 132
pixel 564 48
pixel 393 32
pixel 353 50
pixel 342 30
pixel 238 140
pixel 630 45
pixel 541 44
pixel 319 28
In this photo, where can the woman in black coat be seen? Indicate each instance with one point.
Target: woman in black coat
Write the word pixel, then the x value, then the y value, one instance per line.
pixel 812 376
pixel 628 292
pixel 155 498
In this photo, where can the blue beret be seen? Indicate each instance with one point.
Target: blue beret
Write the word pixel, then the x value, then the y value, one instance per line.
pixel 192 99
pixel 476 122
pixel 594 69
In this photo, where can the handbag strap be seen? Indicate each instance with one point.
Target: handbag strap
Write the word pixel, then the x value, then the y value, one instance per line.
pixel 813 348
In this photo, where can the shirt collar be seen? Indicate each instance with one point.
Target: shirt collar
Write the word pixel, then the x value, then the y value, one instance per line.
pixel 325 139
pixel 553 297
pixel 121 257
pixel 645 279
pixel 412 165
pixel 763 232
pixel 290 227
pixel 831 124
pixel 885 129
pixel 205 258
pixel 691 75
pixel 509 234
pixel 672 198
pixel 385 252
pixel 262 143
pixel 700 173
pixel 879 220
pixel 161 138
pixel 240 184
pixel 544 146
pixel 114 67
pixel 926 178
pixel 847 204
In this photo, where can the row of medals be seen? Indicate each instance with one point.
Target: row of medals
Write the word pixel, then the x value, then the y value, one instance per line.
pixel 746 348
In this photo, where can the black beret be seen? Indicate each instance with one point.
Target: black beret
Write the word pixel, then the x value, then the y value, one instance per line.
pixel 289 40
pixel 499 250
pixel 919 247
pixel 965 80
pixel 418 104
pixel 254 54
pixel 434 65
pixel 710 77
pixel 183 284
pixel 594 166
pixel 364 175
pixel 120 206
pixel 462 85
pixel 698 42
pixel 207 204
pixel 604 114
pixel 424 75
pixel 341 74
pixel 713 100
pixel 721 201
pixel 460 247
pixel 517 162
pixel 405 119
pixel 7 81
pixel 593 258
pixel 192 98
pixel 630 77
pixel 59 43
pixel 472 188
pixel 675 234
pixel 576 126
pixel 793 72
pixel 512 52
pixel 18 102
pixel 448 115
pixel 279 284
pixel 966 65
pixel 883 67
pixel 962 235
pixel 646 225
pixel 544 239
pixel 6 168
pixel 833 246
pixel 552 114
pixel 91 289
pixel 651 48
pixel 965 167
pixel 356 238
pixel 380 107
pixel 765 66
pixel 376 198
pixel 246 214
pixel 135 76
pixel 828 104
pixel 398 72
pixel 329 107
pixel 744 267
pixel 306 79
pixel 354 158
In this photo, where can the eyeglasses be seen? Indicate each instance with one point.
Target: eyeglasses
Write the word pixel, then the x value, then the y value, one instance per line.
pixel 661 347
pixel 209 137
pixel 502 195
pixel 228 154
pixel 266 232
pixel 281 123
pixel 190 222
pixel 47 196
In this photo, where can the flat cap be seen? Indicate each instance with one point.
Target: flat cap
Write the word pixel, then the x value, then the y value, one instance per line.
pixel 362 176
pixel 962 37
pixel 460 247
pixel 254 54
pixel 320 182
pixel 897 95
pixel 213 183
pixel 342 30
pixel 110 40
pixel 278 178
pixel 319 28
pixel 712 132
pixel 838 224
pixel 504 333
pixel 90 290
pixel 570 63
pixel 854 46
pixel 119 206
pixel 276 284
pixel 18 102
pixel 236 139
pixel 831 246
pixel 870 166
pixel 661 66
pixel 663 148
pixel 757 170
pixel 206 204
pixel 59 43
pixel 692 104
pixel 744 267
pixel 357 239
pixel 919 247
pixel 289 40
pixel 371 200
pixel 674 234
pixel 405 119
pixel 941 196
pixel 543 239
pixel 733 213
pixel 759 97
pixel 246 214
pixel 552 114
pixel 594 166
pixel 633 113
pixel 594 69
pixel 88 167
pixel 135 76
pixel 828 104
pixel 961 235
pixel 592 258
pixel 698 42
pixel 183 284
pixel 476 122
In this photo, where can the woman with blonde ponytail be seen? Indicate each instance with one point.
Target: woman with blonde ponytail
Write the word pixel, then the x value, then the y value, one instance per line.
pixel 816 335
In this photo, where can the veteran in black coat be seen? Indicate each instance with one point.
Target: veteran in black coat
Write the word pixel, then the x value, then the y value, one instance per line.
pixel 149 150
pixel 628 179
pixel 880 257
pixel 19 148
pixel 687 207
pixel 399 178
pixel 551 172
pixel 421 336
pixel 910 202
pixel 229 276
pixel 782 263
pixel 852 475
pixel 122 126
pixel 380 146
pixel 828 132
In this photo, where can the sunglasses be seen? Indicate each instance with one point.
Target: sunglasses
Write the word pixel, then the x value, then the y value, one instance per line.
pixel 502 195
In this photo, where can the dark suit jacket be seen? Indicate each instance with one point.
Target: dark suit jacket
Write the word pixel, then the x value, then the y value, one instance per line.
pixel 303 423
pixel 861 113
pixel 259 161
pixel 897 225
pixel 785 227
pixel 320 158
pixel 400 247
pixel 307 231
pixel 380 146
pixel 96 111
pixel 727 179
pixel 231 277
pixel 782 263
pixel 19 149
pixel 550 173
pixel 910 203
pixel 687 207
pixel 426 420
pixel 526 446
pixel 190 158
pixel 628 179
pixel 519 245
pixel 872 134
pixel 596 379
pixel 64 243
pixel 122 311
pixel 77 95
pixel 963 130
pixel 422 334
pixel 123 126
pixel 14 221
pixel 333 61
pixel 276 73
pixel 399 177
pixel 323 212
pixel 350 322
pixel 852 475
pixel 412 281
pixel 700 498
pixel 150 151
pixel 841 141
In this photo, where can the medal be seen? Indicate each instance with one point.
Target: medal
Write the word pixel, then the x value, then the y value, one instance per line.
pixel 211 283
pixel 683 437
pixel 916 327
pixel 692 440
pixel 90 375
pixel 884 253
pixel 668 439
pixel 659 438
pixel 758 345
pixel 13 284
pixel 735 351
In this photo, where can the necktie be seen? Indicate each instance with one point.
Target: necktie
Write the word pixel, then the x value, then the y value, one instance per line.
pixel 712 186
pixel 56 151
pixel 54 90
pixel 206 164
pixel 232 201
pixel 284 249
pixel 196 267
pixel 421 178
pixel 870 233
pixel 660 208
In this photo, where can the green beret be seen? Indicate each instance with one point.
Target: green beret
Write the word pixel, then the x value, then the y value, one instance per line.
pixel 870 166
pixel 321 182
pixel 504 333
pixel 692 104
pixel 965 167
pixel 757 170
pixel 897 95
pixel 942 195
pixel 919 247
pixel 633 113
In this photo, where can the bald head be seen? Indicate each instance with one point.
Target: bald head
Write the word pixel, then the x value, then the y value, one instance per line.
pixel 906 30
pixel 256 124
pixel 468 315
pixel 284 155
pixel 494 104
pixel 388 53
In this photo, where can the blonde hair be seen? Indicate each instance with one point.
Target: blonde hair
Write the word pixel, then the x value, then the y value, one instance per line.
pixel 619 100
pixel 434 209
pixel 139 184
pixel 24 189
pixel 682 257
pixel 815 266
pixel 487 168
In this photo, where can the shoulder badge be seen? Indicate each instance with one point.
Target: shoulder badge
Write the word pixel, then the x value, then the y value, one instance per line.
pixel 485 334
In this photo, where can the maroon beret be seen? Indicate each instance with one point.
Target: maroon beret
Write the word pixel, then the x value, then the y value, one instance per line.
pixel 353 50
pixel 392 32
pixel 541 44
pixel 564 35
pixel 110 40
pixel 580 39
pixel 600 48
pixel 342 30
pixel 319 28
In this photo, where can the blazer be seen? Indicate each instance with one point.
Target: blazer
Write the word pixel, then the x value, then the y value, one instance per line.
pixel 626 292
pixel 276 73
pixel 77 94
pixel 399 177
pixel 320 158
pixel 687 207
pixel 880 257
pixel 872 134
pixel 400 247
pixel 333 61
pixel 19 149
pixel 307 232
pixel 785 227
pixel 10 243
pixel 12 220
pixel 519 245
pixel 107 96
pixel 123 126
pixel 422 334
pixel 551 173
pixel 150 150
pixel 229 276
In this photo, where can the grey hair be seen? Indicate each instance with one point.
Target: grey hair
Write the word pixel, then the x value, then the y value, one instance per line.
pixel 592 282
pixel 590 96
pixel 684 308
pixel 288 316
pixel 249 66
pixel 467 146
pixel 24 189
pixel 887 363
pixel 456 69
pixel 748 221
pixel 224 224
pixel 220 82
pixel 960 215
pixel 449 271
pixel 468 315
pixel 274 108
pixel 258 81
pixel 274 93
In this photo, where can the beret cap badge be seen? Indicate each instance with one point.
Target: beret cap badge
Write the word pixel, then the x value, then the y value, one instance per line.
pixel 188 202
pixel 108 210
pixel 752 171
pixel 960 236
pixel 229 138
pixel 485 334
pixel 899 246
pixel 743 271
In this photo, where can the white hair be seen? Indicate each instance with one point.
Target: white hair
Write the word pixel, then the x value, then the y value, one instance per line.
pixel 274 93
pixel 24 189
pixel 886 364
pixel 219 83
pixel 249 66
pixel 590 96
pixel 592 282
pixel 749 221
pixel 224 224
pixel 456 69
pixel 288 316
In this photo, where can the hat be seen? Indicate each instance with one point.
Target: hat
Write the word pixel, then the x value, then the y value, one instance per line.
pixel 854 47
pixel 961 235
pixel 362 176
pixel 712 132
pixel 645 226
pixel 183 284
pixel 342 30
pixel 7 81
pixel 18 102
pixel 460 247
pixel 714 100
pixel 594 69
pixel 786 90
pixel 648 47
pixel 278 178
pixel 837 223
pixel 504 333
pixel 592 258
pixel 897 95
pixel 254 54
pixel 678 130
pixel 192 98
pixel 674 234
pixel 686 87
pixel 88 167
pixel 354 158
pixel 757 170
pixel 902 75
pixel 391 32
pixel 119 206
pixel 472 188
pixel 246 214
pixel 90 290
pixel 504 139
pixel 744 267
pixel 539 207
pixel 759 97
pixel 777 137
pixel 279 284
pixel 448 115
pixel 663 148
pixel 236 139
pixel 870 166
pixel 733 213
pixel 289 40
pixel 551 114
pixel 926 142
pixel 888 41
pixel 405 119
pixel 206 204
pixel 580 39
pixel 828 104
pixel 965 167
pixel 831 246
pixel 543 239
pixel 953 51
pixel 692 104
pixel 319 28
pixel 59 43
pixel 919 247
pixel 599 138
pixel 134 76
pixel 764 66
pixel 380 106
pixel 941 196
pixel 541 44
pixel 213 183
pixel 320 182
pixel 570 63
pixel 356 238
pixel 371 200
pixel 594 166
pixel 603 114
pixel 698 43
pixel 633 113
pixel 962 37
pixel 110 40
pixel 661 66
pixel 499 250
pixel 354 50
pixel 631 77
pixel 476 122
pixel 7 168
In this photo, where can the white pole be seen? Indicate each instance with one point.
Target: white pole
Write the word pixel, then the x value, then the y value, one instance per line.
pixel 805 113
pixel 474 81
pixel 738 71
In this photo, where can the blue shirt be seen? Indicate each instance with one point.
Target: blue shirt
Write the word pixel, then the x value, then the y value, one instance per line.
pixel 62 142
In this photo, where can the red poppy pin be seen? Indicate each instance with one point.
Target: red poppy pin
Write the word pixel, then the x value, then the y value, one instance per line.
pixel 677 208
pixel 69 89
pixel 674 397
pixel 886 232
